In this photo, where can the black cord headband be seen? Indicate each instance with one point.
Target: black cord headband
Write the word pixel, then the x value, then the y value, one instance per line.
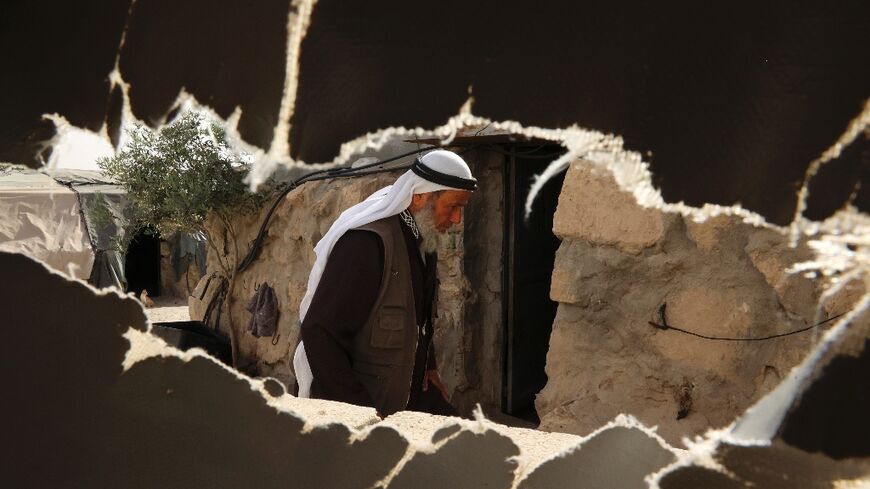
pixel 435 176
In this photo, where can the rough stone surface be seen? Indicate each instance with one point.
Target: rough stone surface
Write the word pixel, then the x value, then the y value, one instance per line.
pixel 482 342
pixel 720 277
pixel 772 257
pixel 621 222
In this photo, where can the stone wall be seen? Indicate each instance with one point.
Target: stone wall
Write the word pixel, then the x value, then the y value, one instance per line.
pixel 482 344
pixel 618 263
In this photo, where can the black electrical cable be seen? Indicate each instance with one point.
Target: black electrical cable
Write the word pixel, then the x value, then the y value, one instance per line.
pixel 665 326
pixel 364 173
pixel 333 172
pixel 344 172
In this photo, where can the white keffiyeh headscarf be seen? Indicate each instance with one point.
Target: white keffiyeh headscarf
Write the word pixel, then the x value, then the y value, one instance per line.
pixel 386 202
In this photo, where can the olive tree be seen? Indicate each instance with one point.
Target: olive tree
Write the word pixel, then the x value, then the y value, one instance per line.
pixel 181 178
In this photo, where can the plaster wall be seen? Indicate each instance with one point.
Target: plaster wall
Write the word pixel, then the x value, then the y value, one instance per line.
pixel 618 263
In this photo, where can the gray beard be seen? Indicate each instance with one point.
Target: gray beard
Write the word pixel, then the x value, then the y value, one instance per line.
pixel 425 219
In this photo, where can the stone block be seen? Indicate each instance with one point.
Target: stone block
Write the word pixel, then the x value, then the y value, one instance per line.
pixel 711 234
pixel 593 208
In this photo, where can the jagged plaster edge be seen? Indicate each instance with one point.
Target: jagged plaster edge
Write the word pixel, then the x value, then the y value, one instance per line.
pixel 298 20
pixel 701 451
pixel 631 173
pixel 858 125
pixel 620 421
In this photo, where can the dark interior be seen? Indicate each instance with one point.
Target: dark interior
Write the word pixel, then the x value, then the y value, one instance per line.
pixel 142 264
pixel 530 250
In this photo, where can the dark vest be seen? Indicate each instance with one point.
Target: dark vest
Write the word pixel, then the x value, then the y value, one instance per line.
pixel 383 351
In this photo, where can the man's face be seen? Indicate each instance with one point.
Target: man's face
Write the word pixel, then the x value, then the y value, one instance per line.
pixel 447 208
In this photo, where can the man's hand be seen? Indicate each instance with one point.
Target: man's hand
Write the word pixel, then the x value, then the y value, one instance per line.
pixel 431 376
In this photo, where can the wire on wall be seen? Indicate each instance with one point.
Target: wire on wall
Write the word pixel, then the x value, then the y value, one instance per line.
pixel 663 325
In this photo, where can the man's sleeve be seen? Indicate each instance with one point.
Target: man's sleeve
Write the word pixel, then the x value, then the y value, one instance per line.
pixel 339 309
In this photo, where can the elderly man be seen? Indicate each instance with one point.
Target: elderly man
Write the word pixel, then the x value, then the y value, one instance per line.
pixel 367 314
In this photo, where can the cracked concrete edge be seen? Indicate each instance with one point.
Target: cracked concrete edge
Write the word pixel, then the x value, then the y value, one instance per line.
pixel 423 434
pixel 298 20
pixel 144 345
pixel 633 176
pixel 761 422
pixel 630 171
pixel 620 421
pixel 317 415
pixel 297 24
pixel 857 126
pixel 759 425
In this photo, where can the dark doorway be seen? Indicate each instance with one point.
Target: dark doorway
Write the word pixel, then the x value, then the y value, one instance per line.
pixel 142 264
pixel 530 250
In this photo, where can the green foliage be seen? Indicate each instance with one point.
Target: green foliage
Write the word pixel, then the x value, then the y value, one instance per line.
pixel 177 176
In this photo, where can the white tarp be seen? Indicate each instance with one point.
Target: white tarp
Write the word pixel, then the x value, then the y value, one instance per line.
pixel 41 219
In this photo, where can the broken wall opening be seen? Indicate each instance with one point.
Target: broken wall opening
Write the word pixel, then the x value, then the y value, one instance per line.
pixel 619 262
pixel 673 156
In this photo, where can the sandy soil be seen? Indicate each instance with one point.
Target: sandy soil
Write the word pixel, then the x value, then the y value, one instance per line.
pixel 168 310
